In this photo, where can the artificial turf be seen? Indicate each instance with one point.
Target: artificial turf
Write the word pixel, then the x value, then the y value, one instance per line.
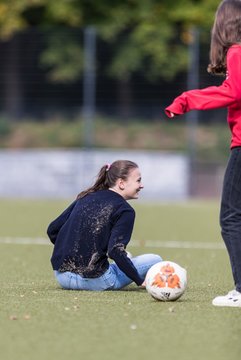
pixel 41 321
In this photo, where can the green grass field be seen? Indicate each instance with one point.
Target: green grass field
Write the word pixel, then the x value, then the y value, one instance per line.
pixel 41 321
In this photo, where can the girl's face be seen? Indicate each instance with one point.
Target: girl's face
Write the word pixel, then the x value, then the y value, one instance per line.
pixel 131 187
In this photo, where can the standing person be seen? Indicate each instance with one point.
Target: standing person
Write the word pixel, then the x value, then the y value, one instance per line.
pixel 225 58
pixel 98 225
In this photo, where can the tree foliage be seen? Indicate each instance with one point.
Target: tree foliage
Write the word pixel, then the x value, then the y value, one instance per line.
pixel 151 35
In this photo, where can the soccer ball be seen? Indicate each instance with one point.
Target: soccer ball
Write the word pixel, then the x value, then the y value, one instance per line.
pixel 166 281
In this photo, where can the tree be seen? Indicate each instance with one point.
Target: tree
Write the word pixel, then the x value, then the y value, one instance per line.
pixel 146 35
pixel 155 30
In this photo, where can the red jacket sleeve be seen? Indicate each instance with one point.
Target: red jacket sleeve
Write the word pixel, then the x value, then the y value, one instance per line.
pixel 225 95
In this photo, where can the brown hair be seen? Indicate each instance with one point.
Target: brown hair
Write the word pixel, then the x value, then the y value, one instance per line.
pixel 226 31
pixel 109 174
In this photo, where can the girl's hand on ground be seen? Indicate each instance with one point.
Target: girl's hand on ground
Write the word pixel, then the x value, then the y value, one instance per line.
pixel 143 285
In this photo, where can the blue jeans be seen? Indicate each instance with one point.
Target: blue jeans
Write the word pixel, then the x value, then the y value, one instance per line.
pixel 112 279
pixel 230 213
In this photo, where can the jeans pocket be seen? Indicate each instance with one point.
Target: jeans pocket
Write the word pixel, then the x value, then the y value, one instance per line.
pixel 109 278
pixel 73 282
pixel 64 279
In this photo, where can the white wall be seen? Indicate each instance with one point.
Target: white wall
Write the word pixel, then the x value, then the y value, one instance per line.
pixel 64 173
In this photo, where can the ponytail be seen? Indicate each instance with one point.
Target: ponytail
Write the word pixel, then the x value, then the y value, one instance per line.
pixel 108 175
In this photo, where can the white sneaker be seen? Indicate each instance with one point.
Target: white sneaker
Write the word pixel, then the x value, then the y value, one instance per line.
pixel 233 298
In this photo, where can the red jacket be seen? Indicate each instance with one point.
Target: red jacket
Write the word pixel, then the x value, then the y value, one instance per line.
pixel 226 95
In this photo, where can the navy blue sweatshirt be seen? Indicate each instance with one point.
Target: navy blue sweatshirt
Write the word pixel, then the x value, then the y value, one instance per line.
pixel 91 229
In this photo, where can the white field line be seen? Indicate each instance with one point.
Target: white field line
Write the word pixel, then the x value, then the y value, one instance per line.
pixel 133 243
pixel 24 240
pixel 179 244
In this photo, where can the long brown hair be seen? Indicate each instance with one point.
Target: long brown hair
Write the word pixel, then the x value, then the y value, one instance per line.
pixel 226 31
pixel 109 174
